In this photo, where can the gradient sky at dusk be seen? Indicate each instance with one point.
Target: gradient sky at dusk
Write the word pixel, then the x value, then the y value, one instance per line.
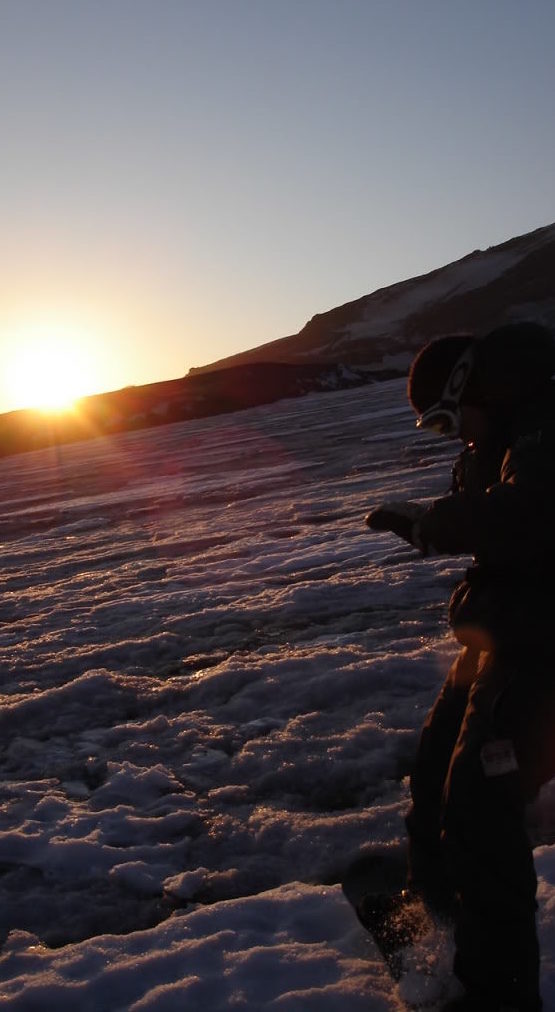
pixel 183 179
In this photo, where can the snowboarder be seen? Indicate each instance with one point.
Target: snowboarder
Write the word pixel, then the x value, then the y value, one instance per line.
pixel 487 745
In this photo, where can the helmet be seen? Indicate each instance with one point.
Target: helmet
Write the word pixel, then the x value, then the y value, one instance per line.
pixel 496 372
pixel 438 378
pixel 513 364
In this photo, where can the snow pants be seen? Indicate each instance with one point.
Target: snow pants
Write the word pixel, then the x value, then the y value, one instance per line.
pixel 486 748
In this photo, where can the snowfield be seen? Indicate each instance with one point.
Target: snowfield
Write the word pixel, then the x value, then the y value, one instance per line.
pixel 212 678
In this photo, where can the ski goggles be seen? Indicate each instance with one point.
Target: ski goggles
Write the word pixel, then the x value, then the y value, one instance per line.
pixel 444 417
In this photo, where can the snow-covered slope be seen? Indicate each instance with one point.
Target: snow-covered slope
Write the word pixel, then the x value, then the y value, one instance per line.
pixel 505 283
pixel 212 682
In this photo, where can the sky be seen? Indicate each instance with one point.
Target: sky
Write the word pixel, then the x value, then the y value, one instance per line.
pixel 185 179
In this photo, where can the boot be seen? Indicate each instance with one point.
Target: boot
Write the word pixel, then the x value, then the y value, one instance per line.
pixel 394 922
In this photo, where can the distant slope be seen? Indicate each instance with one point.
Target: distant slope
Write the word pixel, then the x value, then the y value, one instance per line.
pixel 372 338
pixel 199 396
pixel 512 281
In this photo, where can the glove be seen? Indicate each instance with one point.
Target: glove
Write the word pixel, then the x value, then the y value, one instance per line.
pixel 402 518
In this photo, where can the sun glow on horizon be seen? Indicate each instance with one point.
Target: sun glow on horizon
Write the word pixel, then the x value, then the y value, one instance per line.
pixel 49 370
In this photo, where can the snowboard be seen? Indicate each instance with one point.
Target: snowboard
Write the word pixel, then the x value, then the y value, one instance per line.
pixel 414 947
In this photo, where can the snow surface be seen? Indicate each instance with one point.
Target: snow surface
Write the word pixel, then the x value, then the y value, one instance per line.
pixel 212 681
pixel 474 271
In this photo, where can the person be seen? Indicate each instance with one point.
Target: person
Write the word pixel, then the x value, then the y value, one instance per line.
pixel 487 745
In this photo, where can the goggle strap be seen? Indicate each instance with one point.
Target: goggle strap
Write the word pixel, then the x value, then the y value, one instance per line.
pixel 449 402
pixel 458 377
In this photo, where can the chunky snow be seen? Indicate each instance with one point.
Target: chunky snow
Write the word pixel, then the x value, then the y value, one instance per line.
pixel 212 681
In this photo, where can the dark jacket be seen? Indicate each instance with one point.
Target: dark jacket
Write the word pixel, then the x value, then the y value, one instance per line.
pixel 502 511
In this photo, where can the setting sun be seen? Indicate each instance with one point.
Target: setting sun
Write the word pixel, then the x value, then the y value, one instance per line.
pixel 49 371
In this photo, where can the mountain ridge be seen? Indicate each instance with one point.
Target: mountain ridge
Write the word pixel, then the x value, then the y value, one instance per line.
pixel 365 340
pixel 483 289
